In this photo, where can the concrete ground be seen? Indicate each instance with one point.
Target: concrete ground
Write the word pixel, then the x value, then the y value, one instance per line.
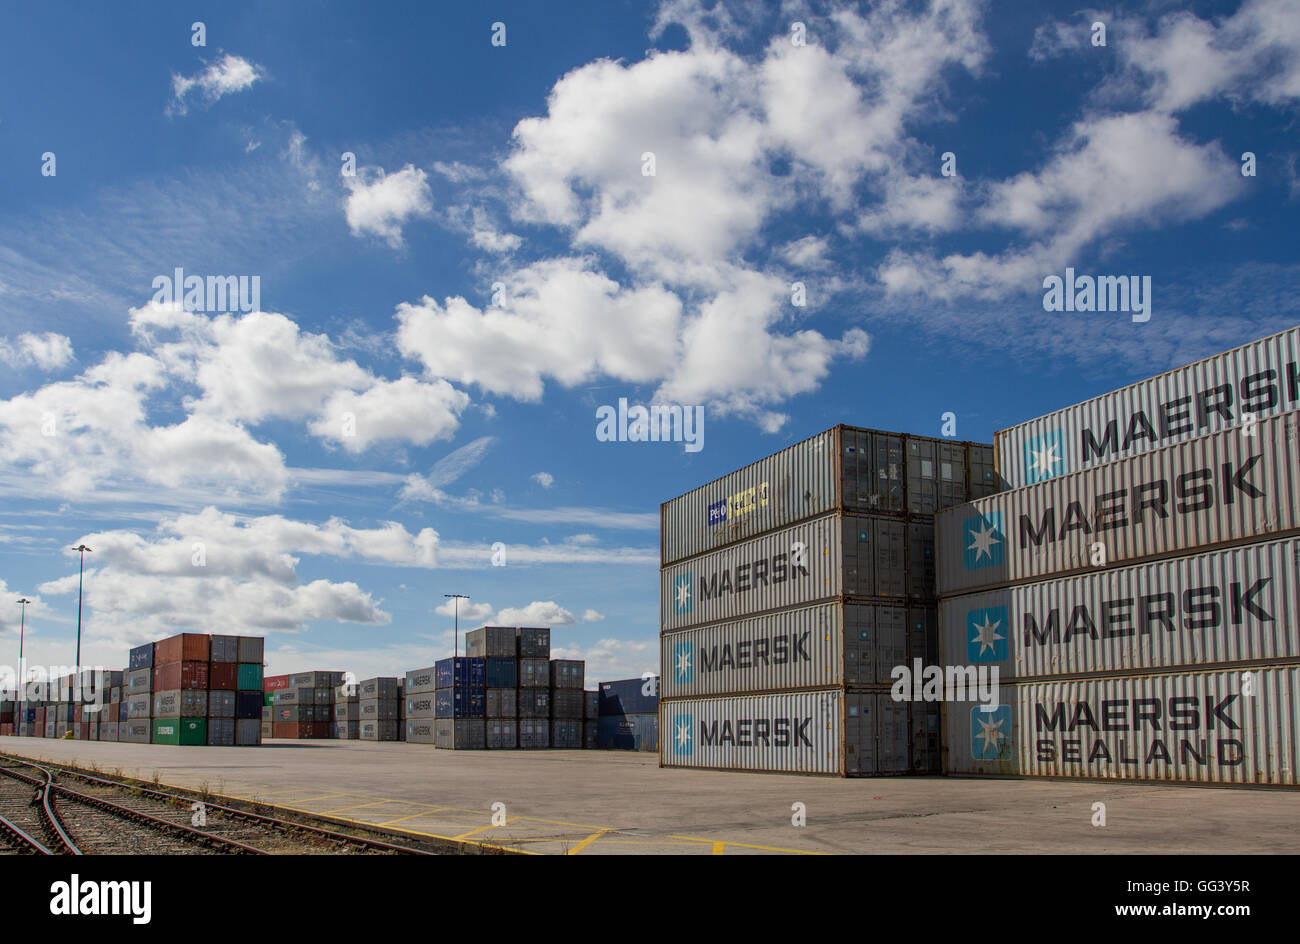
pixel 616 802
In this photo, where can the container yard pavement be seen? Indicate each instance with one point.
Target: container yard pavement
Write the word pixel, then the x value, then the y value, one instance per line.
pixel 617 802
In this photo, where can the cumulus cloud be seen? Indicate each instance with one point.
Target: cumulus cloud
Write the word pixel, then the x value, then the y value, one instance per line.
pixel 591 616
pixel 47 351
pixel 380 204
pixel 227 75
pixel 469 612
pixel 544 479
pixel 537 613
pixel 613 658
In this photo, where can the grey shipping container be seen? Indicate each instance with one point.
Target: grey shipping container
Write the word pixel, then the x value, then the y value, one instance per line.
pixel 827 644
pixel 248 731
pixel 295 696
pixel 566 734
pixel 534 642
pixel 503 702
pixel 460 734
pixel 590 706
pixel 382 688
pixel 1239 485
pixel 534 673
pixel 180 703
pixel 568 673
pixel 420 731
pixel 221 732
pixel 534 733
pixel 534 703
pixel 1235 726
pixel 381 730
pixel 490 641
pixel 347 711
pixel 139 682
pixel 1210 395
pixel 139 706
pixel 378 709
pixel 324 695
pixel 322 713
pixel 826 559
pixel 347 730
pixel 108 730
pixel 316 679
pixel 268 730
pixel 221 704
pixel 135 731
pixel 224 649
pixel 251 649
pixel 591 734
pixel 842 469
pixel 502 734
pixel 419 681
pixel 420 705
pixel 567 704
pixel 1241 604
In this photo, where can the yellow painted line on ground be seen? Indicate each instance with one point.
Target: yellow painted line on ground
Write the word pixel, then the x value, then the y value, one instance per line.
pixel 645 842
pixel 718 848
pixel 488 826
pixel 401 819
pixel 359 806
pixel 586 842
pixel 747 845
pixel 323 796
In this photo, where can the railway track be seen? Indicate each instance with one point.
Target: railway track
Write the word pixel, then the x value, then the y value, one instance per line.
pixel 69 811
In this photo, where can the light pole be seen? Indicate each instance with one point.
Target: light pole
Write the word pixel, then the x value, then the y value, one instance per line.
pixel 83 549
pixel 457 597
pixel 22 628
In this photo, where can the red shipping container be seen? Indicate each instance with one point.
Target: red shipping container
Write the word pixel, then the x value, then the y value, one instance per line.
pixel 83 731
pixel 180 675
pixel 223 676
pixel 275 683
pixel 40 717
pixel 187 647
pixel 78 714
pixel 6 729
pixel 111 712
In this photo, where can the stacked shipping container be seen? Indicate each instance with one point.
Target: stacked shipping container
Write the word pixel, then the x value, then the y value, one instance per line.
pixel 302 705
pixel 1138 588
pixel 788 591
pixel 628 715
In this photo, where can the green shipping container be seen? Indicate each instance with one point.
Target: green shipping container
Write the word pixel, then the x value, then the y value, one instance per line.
pixel 180 731
pixel 250 677
pixel 268 700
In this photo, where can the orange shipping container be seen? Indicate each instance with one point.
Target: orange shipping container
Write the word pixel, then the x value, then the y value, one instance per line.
pixel 187 647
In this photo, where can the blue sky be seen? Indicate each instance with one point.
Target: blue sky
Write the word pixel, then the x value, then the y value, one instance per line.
pixel 206 455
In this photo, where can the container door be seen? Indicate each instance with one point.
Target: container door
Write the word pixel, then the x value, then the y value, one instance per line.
pixel 920 560
pixel 923 635
pixel 891 642
pixel 891 559
pixel 859 735
pixel 952 475
pixel 859 644
pixel 922 476
pixel 893 734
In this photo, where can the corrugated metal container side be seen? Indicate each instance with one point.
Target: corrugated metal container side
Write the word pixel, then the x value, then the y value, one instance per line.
pixel 534 642
pixel 1241 604
pixel 251 650
pixel 460 734
pixel 501 671
pixel 382 730
pixel 419 705
pixel 274 683
pixel 221 732
pixel 385 688
pixel 534 733
pixel 568 673
pixel 457 703
pixel 459 671
pixel 1238 726
pixel 591 705
pixel 633 732
pixel 249 677
pixel 502 734
pixel 223 676
pixel 221 705
pixel 139 681
pixel 224 649
pixel 502 703
pixel 248 705
pixel 566 734
pixel 296 696
pixel 420 731
pixel 248 732
pixel 1198 494
pixel 798 732
pixel 492 641
pixel 534 703
pixel 591 734
pixel 534 673
pixel 375 709
pixel 567 704
pixel 141 657
pixel 1262 377
pixel 419 681
pixel 798 482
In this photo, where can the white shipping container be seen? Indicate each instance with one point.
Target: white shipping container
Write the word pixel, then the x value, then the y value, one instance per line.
pixel 808 647
pixel 815 732
pixel 1262 378
pixel 1235 726
pixel 1237 485
pixel 1233 605
pixel 843 469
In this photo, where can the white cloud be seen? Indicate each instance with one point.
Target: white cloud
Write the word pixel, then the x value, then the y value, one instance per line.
pixel 47 351
pixel 806 253
pixel 227 75
pixel 406 410
pixel 591 616
pixel 544 479
pixel 537 613
pixel 469 612
pixel 380 204
pixel 612 658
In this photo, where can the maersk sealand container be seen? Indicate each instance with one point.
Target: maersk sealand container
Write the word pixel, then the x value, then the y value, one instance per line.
pixel 1241 604
pixel 842 469
pixel 1236 486
pixel 1261 378
pixel 1234 726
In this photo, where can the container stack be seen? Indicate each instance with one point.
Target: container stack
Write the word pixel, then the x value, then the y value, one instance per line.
pixel 378 709
pixel 347 713
pixel 8 715
pixel 1136 587
pixel 206 690
pixel 628 715
pixel 791 589
pixel 533 645
pixel 304 708
pixel 459 703
pixel 568 703
pixel 420 687
pixel 498 646
pixel 270 685
pixel 590 720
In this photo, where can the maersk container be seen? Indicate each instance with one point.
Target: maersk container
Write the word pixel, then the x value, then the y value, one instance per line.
pixel 419 681
pixel 1236 605
pixel 1235 486
pixel 1235 726
pixel 1210 395
pixel 377 730
pixel 419 705
pixel 460 734
pixel 372 709
pixel 828 644
pixel 419 731
pixel 826 559
pixel 842 469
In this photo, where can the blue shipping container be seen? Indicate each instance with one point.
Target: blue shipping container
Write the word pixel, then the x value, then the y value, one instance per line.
pixel 501 672
pixel 248 705
pixel 141 657
pixel 459 672
pixel 625 698
pixel 629 733
pixel 464 702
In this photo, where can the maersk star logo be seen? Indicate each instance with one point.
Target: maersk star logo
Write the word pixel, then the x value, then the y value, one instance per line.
pixel 986 634
pixel 990 733
pixel 683 725
pixel 1045 456
pixel 984 541
pixel 683 593
pixel 683 663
